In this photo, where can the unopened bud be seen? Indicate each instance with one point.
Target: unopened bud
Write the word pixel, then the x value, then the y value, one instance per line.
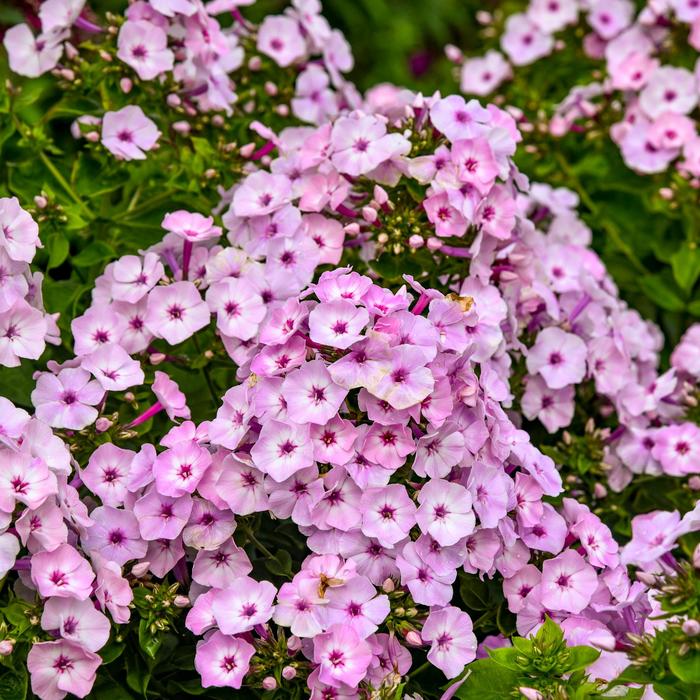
pixel 453 54
pixel 105 56
pixel 289 672
pixel 416 241
pixel 691 628
pixel 369 214
pixel 92 136
pixel 282 110
pixel 41 201
pixel 6 647
pixel 380 195
pixel 413 639
pixel 102 424
pixel 696 557
pixel 599 491
pixel 294 644
pixel 173 100
pixel 217 120
pixel 129 396
pixel 271 89
pixel 156 358
pixel 210 173
pixel 269 683
pixel 126 84
pixel 247 150
pixel 388 586
pixel 352 228
pixel 434 243
pixel 182 127
pixel 255 63
pixel 181 601
pixel 530 693
pixel 68 74
pixel 140 569
pixel 694 483
pixel 666 193
pixel 71 51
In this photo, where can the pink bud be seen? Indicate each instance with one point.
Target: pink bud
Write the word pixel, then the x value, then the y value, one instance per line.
pixel 666 193
pixel 247 150
pixel 217 120
pixel 530 693
pixel 71 51
pixel 140 569
pixel 646 578
pixel 294 644
pixel 92 136
pixel 182 127
pixel 181 601
pixel 6 647
pixel 352 228
pixel 41 201
pixel 388 586
pixel 694 483
pixel 255 63
pixel 156 358
pixel 696 557
pixel 380 195
pixel 599 491
pixel 483 17
pixel 289 672
pixel 68 74
pixel 271 88
pixel 105 56
pixel 691 628
pixel 369 214
pixel 454 54
pixel 269 683
pixel 126 84
pixel 129 396
pixel 102 424
pixel 434 243
pixel 173 100
pixel 558 126
pixel 416 241
pixel 413 639
pixel 282 110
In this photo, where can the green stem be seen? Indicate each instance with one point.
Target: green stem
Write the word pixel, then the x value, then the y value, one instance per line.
pixel 419 670
pixel 206 374
pixel 259 545
pixel 63 182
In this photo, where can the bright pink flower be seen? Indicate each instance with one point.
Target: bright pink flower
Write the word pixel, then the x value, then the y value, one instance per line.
pixel 162 517
pixel 343 656
pixel 568 582
pixel 77 621
pixel 597 540
pixel 170 397
pixel 128 132
pixel 243 605
pixel 107 473
pixel 337 323
pixel 453 644
pixel 223 661
pixel 176 312
pixel 445 511
pixel 191 226
pixel 66 400
pixel 25 480
pixel 144 46
pixel 61 667
pixel 63 573
pixel 560 357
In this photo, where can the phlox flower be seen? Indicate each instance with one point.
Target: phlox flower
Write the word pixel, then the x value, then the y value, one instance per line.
pixel 490 489
pixel 62 573
pixel 453 644
pixel 445 511
pixel 547 535
pixel 427 586
pixel 523 41
pixel 333 442
pixel 677 448
pixel 517 587
pixel 558 356
pixel 388 658
pixel 113 592
pixel 107 473
pixel 337 323
pixel 9 549
pixel 408 381
pixel 241 486
pixel 23 331
pixel 280 38
pixel 143 46
pixel 42 528
pixel 343 656
pixel 180 468
pixel 356 605
pixel 481 76
pixel 67 399
pixel 221 567
pixel 554 408
pixel 191 226
pixel 238 307
pixel 98 326
pixel 113 367
pixel 24 479
pixel 457 118
pixel 669 89
pixel 115 535
pixel 133 276
pixel 208 526
pixel 388 445
pixel 653 534
pixel 29 55
pixel 222 660
pixel 597 541
pixel 128 132
pixel 296 496
pixel 282 449
pixel 169 396
pixel 176 312
pixel 261 193
pixel 243 605
pixel 61 667
pixel 299 607
pixel 311 395
pixel 19 233
pixel 162 517
pixel 568 582
pixel 77 621
pixel 388 513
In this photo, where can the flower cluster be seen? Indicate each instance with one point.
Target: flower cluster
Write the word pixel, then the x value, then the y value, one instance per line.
pixel 25 327
pixel 658 97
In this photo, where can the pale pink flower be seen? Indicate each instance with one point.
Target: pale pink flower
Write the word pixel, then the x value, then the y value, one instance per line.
pixel 128 132
pixel 115 535
pixel 221 567
pixel 453 644
pixel 238 307
pixel 677 448
pixel 29 55
pixel 208 526
pixel 408 381
pixel 113 367
pixel 144 46
pixel 23 330
pixel 261 193
pixel 19 233
pixel 133 276
pixel 162 517
pixel 560 357
pixel 481 76
pixel 61 667
pixel 99 325
pixel 343 656
pixel 568 582
pixel 300 608
pixel 24 479
pixel 42 528
pixel 63 573
pixel 280 38
pixel 77 621
pixel 113 592
pixel 66 400
pixel 243 605
pixel 311 395
pixel 523 41
pixel 356 605
pixel 223 661
pixel 180 468
pixel 554 408
pixel 176 312
pixel 282 449
pixel 191 226
pixel 107 473
pixel 388 513
pixel 427 586
pixel 337 323
pixel 653 534
pixel 170 397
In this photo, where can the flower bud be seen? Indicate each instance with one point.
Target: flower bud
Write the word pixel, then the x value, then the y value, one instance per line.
pixel 294 644
pixel 247 150
pixel 269 683
pixel 217 120
pixel 140 569
pixel 434 243
pixel 352 228
pixel 71 51
pixel 530 693
pixel 691 628
pixel 416 241
pixel 102 424
pixel 6 647
pixel 92 136
pixel 126 84
pixel 380 195
pixel 696 557
pixel 599 491
pixel 270 88
pixel 156 358
pixel 181 601
pixel 289 672
pixel 173 100
pixel 182 127
pixel 255 63
pixel 666 193
pixel 454 54
pixel 105 56
pixel 413 639
pixel 388 586
pixel 41 201
pixel 68 74
pixel 694 483
pixel 282 110
pixel 369 214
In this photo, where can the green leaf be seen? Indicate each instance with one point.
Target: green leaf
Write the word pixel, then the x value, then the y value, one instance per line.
pixel 487 681
pixel 581 657
pixel 685 264
pixel 281 565
pixel 686 667
pixel 13 684
pixel 506 657
pixel 694 307
pixel 149 643
pixel 93 254
pixel 58 247
pixel 661 292
pixel 550 634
